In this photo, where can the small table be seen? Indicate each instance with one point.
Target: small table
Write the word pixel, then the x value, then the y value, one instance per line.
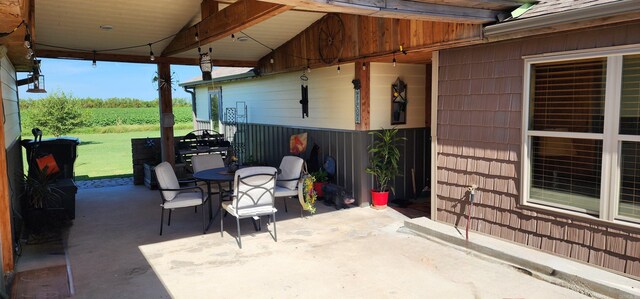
pixel 218 176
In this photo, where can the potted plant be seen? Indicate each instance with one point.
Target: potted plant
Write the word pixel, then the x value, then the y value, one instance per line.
pixel 383 164
pixel 43 203
pixel 321 178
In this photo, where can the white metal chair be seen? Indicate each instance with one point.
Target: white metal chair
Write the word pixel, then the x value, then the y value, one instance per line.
pixel 209 161
pixel 288 183
pixel 253 196
pixel 174 197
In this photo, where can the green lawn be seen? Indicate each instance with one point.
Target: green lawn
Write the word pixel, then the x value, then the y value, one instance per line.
pixel 108 155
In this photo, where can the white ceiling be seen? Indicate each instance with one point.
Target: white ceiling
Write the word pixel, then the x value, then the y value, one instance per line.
pixel 74 25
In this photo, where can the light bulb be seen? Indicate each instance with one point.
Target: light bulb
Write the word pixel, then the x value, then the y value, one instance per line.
pixel 364 66
pixel 394 61
pixel 197 38
pixel 308 69
pixel 338 69
pixel 233 37
pixel 151 56
pixel 94 64
pixel 27 41
pixel 29 53
pixel 271 60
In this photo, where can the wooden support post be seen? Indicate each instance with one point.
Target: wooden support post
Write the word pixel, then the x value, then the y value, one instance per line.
pixel 6 240
pixel 167 143
pixel 364 75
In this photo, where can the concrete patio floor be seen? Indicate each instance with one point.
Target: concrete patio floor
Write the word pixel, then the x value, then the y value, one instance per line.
pixel 115 251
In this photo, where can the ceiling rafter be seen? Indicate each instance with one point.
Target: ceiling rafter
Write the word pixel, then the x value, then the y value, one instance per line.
pixel 137 58
pixel 233 18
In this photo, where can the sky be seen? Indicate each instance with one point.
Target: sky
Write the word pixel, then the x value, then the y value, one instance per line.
pixel 107 80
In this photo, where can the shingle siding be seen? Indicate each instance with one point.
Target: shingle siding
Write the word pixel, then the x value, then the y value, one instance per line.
pixel 479 142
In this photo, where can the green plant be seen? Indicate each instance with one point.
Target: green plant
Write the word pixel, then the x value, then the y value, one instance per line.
pixel 39 193
pixel 383 163
pixel 56 114
pixel 320 176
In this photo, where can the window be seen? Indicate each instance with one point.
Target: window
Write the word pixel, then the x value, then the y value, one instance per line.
pixel 582 133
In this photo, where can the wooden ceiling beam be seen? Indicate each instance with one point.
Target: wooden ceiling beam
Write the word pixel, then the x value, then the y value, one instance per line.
pixel 399 9
pixel 44 53
pixel 233 18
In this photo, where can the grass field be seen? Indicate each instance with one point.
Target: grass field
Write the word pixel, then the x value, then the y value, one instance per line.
pixel 108 155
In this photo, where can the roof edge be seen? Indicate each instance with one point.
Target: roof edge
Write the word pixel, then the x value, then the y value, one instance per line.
pixel 249 74
pixel 576 15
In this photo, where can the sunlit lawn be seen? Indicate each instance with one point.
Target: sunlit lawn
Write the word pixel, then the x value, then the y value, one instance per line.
pixel 109 154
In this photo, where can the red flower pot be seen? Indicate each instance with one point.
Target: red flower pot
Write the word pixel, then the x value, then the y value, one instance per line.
pixel 379 199
pixel 317 186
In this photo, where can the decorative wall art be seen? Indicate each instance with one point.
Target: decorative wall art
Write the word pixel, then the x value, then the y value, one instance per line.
pixel 398 102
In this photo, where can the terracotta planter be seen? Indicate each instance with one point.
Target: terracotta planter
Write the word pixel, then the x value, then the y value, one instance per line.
pixel 317 186
pixel 379 199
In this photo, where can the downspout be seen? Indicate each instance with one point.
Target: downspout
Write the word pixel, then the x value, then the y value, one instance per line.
pixel 193 104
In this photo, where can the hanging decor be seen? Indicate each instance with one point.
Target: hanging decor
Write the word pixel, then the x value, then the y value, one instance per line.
pixel 398 102
pixel 36 80
pixel 205 64
pixel 305 95
pixel 356 95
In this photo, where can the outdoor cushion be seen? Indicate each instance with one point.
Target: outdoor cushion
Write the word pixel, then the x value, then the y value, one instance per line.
pixel 284 192
pixel 184 199
pixel 245 212
pixel 290 167
pixel 167 180
pixel 204 162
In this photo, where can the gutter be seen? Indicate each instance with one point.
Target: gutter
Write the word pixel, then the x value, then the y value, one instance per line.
pixel 569 16
pixel 247 75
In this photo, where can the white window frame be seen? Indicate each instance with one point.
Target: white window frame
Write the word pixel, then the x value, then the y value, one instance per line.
pixel 612 140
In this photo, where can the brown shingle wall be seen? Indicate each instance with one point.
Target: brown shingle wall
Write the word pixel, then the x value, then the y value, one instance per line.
pixel 479 142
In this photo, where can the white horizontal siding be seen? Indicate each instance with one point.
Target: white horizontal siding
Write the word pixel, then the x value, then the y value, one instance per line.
pixel 11 116
pixel 383 75
pixel 276 99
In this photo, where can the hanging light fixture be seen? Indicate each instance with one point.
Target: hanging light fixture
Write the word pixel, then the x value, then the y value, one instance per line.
pixel 27 40
pixel 394 59
pixel 36 84
pixel 205 64
pixel 364 66
pixel 151 56
pixel 93 63
pixel 338 69
pixel 233 37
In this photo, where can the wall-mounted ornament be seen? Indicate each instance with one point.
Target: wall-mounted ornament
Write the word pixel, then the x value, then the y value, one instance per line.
pixel 398 102
pixel 357 106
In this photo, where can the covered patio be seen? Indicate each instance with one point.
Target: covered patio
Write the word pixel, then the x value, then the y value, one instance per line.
pixel 114 251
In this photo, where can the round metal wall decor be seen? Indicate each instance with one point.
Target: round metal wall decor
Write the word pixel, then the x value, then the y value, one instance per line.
pixel 330 38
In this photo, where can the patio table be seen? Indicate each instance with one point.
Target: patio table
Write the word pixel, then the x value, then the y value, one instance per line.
pixel 215 175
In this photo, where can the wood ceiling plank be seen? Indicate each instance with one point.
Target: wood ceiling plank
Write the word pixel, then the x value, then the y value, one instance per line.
pixel 233 18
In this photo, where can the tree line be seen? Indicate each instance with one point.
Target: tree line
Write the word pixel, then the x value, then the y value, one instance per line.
pixel 87 103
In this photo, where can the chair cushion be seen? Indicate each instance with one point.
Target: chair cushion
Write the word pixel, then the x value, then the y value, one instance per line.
pixel 204 162
pixel 167 180
pixel 258 211
pixel 184 199
pixel 290 167
pixel 284 192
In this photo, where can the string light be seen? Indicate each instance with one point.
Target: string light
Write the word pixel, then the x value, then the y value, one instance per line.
pixel 338 69
pixel 27 40
pixel 151 56
pixel 94 64
pixel 308 67
pixel 29 53
pixel 233 37
pixel 197 38
pixel 364 66
pixel 394 59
